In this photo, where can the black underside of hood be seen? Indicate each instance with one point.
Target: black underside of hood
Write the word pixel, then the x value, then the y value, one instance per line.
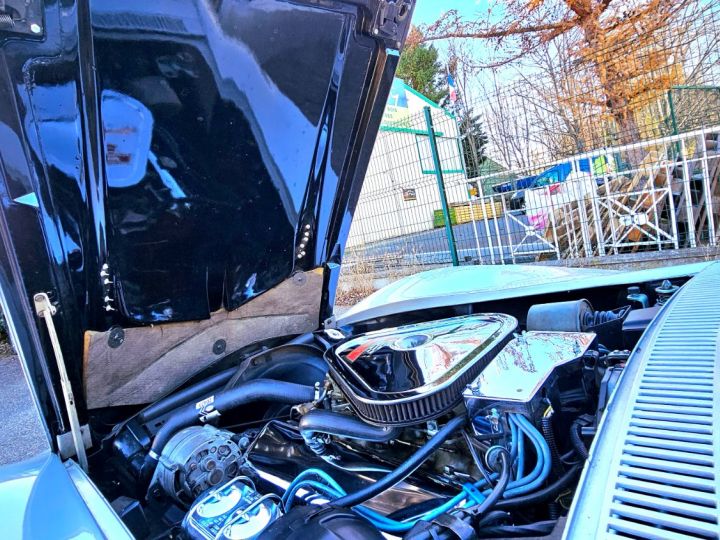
pixel 168 160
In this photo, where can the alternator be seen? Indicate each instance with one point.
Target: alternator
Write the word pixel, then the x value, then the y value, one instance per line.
pixel 195 459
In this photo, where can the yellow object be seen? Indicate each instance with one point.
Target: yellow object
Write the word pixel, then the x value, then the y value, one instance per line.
pixel 480 209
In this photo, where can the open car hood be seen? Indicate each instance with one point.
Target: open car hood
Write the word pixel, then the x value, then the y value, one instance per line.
pixel 179 178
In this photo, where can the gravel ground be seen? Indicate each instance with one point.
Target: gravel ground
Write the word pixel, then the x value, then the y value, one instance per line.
pixel 21 436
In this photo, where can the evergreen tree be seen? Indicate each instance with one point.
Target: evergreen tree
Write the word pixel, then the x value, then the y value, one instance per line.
pixel 420 69
pixel 474 140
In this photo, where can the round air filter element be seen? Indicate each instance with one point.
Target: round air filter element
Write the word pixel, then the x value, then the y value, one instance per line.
pixel 410 374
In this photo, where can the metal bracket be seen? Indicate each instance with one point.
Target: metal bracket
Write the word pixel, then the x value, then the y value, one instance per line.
pixel 393 21
pixel 330 323
pixel 21 17
pixel 66 444
pixel 45 310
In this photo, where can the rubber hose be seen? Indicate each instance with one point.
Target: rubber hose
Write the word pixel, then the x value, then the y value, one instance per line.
pixel 498 490
pixel 495 515
pixel 543 494
pixel 541 528
pixel 405 469
pixel 547 430
pixel 177 399
pixel 227 400
pixel 577 442
pixel 341 425
pixel 476 458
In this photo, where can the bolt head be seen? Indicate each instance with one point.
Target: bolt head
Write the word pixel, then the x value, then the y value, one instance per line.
pixel 35 28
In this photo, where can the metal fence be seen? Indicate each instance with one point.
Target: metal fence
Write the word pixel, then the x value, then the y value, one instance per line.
pixel 554 104
pixel 419 208
pixel 558 172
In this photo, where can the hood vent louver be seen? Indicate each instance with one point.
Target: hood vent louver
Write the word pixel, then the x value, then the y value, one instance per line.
pixel 655 464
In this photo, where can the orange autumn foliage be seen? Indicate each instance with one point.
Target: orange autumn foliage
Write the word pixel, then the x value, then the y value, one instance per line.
pixel 625 51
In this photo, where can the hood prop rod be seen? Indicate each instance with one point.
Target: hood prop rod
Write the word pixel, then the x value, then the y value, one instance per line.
pixel 45 310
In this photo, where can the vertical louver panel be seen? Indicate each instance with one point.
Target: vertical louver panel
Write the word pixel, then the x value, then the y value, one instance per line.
pixel 655 465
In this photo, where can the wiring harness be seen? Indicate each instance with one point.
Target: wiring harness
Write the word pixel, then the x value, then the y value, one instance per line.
pixel 475 499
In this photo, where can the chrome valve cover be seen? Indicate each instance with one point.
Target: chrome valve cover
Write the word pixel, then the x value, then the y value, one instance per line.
pixel 513 379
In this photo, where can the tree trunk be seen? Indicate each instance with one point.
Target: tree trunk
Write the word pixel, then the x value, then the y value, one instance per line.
pixel 629 133
pixel 612 85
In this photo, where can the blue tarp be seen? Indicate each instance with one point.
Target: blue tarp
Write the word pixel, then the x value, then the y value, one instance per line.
pixel 553 175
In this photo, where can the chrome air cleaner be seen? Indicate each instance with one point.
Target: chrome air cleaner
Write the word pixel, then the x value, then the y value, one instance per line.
pixel 410 374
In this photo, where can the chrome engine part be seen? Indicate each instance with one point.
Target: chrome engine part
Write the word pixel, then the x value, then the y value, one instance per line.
pixel 463 398
pixel 409 374
pixel 195 459
pixel 513 380
pixel 233 511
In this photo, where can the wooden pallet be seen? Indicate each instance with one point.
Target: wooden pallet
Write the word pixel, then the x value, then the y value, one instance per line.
pixel 568 217
pixel 713 166
pixel 653 174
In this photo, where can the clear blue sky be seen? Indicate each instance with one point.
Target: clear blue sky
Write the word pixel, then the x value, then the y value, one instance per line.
pixel 428 11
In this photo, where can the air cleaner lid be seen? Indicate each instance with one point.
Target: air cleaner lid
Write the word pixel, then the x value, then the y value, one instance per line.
pixel 415 359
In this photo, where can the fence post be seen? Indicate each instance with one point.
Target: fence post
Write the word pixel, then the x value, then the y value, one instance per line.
pixel 709 212
pixel 459 142
pixel 441 186
pixel 689 211
pixel 673 120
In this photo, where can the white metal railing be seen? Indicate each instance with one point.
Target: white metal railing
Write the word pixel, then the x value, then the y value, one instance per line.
pixel 669 200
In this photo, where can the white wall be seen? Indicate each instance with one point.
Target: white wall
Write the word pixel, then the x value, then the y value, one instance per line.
pixel 396 164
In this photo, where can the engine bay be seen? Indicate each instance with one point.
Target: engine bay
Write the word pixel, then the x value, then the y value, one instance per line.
pixel 469 426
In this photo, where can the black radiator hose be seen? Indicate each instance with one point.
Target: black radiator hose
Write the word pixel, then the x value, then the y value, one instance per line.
pixel 227 400
pixel 173 401
pixel 405 469
pixel 541 495
pixel 342 425
pixel 497 491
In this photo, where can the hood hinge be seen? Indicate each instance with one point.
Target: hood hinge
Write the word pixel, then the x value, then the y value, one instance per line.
pixel 45 310
pixel 330 322
pixel 392 21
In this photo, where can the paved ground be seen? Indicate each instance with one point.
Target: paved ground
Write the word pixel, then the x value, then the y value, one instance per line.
pixel 496 236
pixel 21 436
